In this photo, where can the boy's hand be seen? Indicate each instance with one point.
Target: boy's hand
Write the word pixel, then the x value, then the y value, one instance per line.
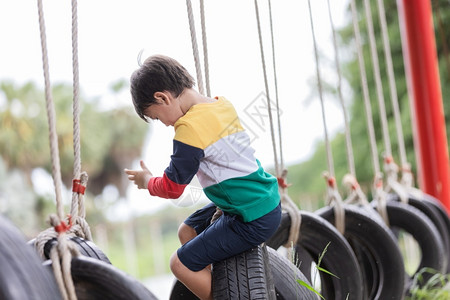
pixel 140 177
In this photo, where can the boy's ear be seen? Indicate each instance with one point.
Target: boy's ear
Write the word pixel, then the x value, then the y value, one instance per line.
pixel 160 97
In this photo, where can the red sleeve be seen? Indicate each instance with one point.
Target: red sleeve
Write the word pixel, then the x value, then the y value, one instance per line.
pixel 165 188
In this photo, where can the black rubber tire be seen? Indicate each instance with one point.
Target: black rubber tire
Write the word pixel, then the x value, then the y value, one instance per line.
pixel 86 248
pixel 419 226
pixel 437 205
pixel 365 232
pixel 285 276
pixel 315 234
pixel 97 280
pixel 436 218
pixel 181 292
pixel 284 273
pixel 244 276
pixel 22 275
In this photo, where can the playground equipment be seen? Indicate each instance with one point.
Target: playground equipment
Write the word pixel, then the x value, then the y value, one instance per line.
pixel 360 238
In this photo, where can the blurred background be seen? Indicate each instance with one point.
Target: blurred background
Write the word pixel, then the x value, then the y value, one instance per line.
pixel 139 232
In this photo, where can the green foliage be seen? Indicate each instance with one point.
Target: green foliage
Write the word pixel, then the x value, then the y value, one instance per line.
pixel 437 287
pixel 110 140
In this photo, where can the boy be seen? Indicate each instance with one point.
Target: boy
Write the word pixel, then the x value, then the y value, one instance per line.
pixel 209 142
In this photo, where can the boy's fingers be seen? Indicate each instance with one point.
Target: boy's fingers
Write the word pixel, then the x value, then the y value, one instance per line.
pixel 130 172
pixel 143 166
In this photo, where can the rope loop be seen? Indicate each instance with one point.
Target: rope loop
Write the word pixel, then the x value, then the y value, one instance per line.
pixel 296 219
pixel 407 179
pixel 356 195
pixel 334 199
pixel 380 197
pixel 61 226
pixel 61 256
pixel 282 181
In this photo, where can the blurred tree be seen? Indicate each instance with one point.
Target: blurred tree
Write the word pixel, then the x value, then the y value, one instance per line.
pixel 110 139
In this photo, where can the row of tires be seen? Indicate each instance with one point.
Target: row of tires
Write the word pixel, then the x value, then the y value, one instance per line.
pixel 366 261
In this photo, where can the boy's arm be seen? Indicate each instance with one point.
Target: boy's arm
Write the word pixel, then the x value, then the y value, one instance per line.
pixel 184 164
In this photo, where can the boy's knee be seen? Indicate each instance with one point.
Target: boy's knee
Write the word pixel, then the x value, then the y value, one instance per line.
pixel 186 233
pixel 176 266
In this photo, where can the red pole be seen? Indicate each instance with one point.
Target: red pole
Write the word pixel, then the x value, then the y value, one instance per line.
pixel 428 113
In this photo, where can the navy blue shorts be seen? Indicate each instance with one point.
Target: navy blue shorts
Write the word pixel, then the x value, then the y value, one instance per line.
pixel 226 237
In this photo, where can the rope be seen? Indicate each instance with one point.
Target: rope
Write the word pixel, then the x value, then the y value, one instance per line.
pixel 53 137
pixel 195 47
pixel 378 183
pixel 62 273
pixel 269 108
pixel 356 195
pixel 391 167
pixel 77 210
pixel 333 196
pixel 276 88
pixel 350 159
pixel 392 84
pixel 286 202
pixel 205 47
pixel 407 176
pixel 365 88
pixel 320 89
pixel 378 83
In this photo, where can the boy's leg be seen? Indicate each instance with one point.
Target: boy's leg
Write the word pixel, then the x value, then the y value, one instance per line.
pixel 196 223
pixel 186 233
pixel 198 282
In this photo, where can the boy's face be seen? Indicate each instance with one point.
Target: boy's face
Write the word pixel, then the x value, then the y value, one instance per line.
pixel 166 110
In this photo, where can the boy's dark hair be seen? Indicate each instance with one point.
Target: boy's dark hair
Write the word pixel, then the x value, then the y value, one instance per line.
pixel 158 73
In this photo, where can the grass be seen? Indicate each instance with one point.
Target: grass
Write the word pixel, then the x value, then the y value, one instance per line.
pixel 437 287
pixel 318 269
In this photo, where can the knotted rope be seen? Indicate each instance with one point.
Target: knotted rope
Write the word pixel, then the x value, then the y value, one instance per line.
pixel 286 202
pixel 62 271
pixel 333 197
pixel 75 224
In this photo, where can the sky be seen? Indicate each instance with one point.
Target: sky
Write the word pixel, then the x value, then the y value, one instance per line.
pixel 111 34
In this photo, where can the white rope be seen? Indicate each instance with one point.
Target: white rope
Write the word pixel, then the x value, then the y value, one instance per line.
pixel 392 84
pixel 195 47
pixel 407 176
pixel 356 196
pixel 287 204
pixel 76 89
pixel 205 47
pixel 365 89
pixel 333 197
pixel 348 139
pixel 392 169
pixel 379 194
pixel 280 143
pixel 330 163
pixel 269 108
pixel 377 76
pixel 65 248
pixel 77 210
pixel 53 137
pixel 296 219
